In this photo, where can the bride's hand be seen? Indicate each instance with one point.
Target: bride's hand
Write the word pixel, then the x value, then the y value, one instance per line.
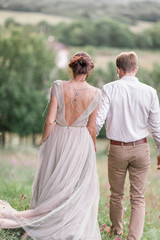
pixel 95 147
pixel 41 142
pixel 158 162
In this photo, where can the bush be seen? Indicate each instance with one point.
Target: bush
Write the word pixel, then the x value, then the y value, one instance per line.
pixel 105 32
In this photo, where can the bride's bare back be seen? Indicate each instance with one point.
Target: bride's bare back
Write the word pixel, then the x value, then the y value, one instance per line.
pixel 76 100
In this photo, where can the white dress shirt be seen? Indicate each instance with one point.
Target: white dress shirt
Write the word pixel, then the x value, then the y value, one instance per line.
pixel 129 106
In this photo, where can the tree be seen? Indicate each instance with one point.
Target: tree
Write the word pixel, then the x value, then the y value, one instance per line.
pixel 25 64
pixel 104 32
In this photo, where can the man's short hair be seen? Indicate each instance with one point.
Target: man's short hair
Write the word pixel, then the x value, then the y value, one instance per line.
pixel 127 61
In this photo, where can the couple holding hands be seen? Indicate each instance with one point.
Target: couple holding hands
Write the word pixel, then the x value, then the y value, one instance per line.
pixel 65 192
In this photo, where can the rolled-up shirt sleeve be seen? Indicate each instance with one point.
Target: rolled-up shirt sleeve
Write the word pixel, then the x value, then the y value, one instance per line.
pixel 103 109
pixel 154 120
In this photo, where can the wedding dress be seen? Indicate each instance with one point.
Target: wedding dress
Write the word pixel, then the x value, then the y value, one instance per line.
pixel 65 192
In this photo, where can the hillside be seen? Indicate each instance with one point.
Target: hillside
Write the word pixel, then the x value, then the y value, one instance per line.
pixel 127 10
pixel 31 18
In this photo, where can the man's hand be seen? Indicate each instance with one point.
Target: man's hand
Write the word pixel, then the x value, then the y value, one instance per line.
pixel 158 162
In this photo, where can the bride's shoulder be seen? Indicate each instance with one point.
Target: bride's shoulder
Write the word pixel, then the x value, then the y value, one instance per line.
pixel 95 89
pixel 56 85
pixel 57 82
pixel 96 93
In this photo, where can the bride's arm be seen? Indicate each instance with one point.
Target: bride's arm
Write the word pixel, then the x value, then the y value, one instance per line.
pixel 51 116
pixel 91 125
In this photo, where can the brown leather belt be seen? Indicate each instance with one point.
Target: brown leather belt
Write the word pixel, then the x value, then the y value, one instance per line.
pixel 144 140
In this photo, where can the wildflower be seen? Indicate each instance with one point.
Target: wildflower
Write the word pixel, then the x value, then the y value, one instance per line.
pixel 102 229
pixel 23 196
pixel 124 208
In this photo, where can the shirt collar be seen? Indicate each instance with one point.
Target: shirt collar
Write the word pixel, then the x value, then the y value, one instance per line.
pixel 132 78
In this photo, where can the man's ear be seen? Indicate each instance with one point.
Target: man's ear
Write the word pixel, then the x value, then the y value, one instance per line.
pixel 136 69
pixel 118 71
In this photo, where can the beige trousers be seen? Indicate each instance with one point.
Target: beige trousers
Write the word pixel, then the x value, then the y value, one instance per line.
pixel 135 160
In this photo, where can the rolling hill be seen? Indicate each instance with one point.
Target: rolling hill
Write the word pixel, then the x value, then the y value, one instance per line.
pixel 127 11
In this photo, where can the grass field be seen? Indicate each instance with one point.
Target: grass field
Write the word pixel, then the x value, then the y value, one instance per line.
pixel 17 168
pixel 146 58
pixel 141 26
pixel 34 18
pixel 31 17
pixel 102 56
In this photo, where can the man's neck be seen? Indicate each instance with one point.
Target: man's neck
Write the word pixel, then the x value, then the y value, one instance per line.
pixel 128 74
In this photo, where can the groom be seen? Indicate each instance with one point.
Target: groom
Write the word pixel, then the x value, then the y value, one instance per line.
pixel 128 106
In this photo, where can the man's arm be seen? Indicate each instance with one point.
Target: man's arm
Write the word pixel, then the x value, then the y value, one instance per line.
pixel 102 111
pixel 154 121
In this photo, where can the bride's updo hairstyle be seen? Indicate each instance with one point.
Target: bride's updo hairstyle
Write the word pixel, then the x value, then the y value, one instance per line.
pixel 81 63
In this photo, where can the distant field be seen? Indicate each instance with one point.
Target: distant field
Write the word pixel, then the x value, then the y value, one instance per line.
pixel 103 55
pixel 31 17
pixel 146 58
pixel 141 26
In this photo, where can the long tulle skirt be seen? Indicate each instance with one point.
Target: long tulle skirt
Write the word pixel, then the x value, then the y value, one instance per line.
pixel 65 192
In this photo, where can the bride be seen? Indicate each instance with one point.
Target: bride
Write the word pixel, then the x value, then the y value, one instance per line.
pixel 65 192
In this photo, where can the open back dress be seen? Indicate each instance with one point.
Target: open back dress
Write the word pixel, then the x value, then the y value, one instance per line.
pixel 65 191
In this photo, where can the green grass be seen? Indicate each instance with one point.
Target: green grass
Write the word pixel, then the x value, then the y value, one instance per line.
pixel 16 177
pixel 17 168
